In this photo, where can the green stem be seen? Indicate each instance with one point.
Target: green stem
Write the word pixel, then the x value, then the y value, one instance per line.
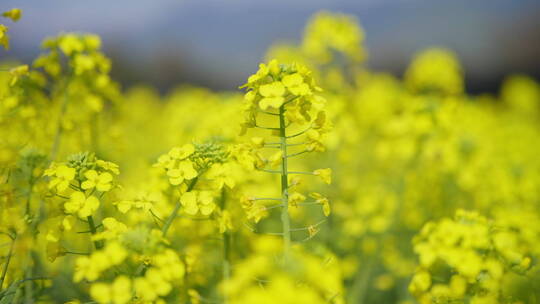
pixel 361 282
pixel 28 286
pixel 285 219
pixel 226 249
pixel 185 294
pixel 6 265
pixel 176 209
pixel 29 198
pixel 17 296
pixel 93 230
pixel 226 261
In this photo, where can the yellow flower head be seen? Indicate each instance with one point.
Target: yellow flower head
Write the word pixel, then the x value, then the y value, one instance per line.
pixel 261 73
pixel 109 166
pixel 435 70
pixel 328 32
pixel 323 201
pixel 222 175
pixel 224 221
pixel 289 89
pixel 198 201
pixel 70 44
pixel 421 282
pixel 112 229
pixel 101 181
pixel 152 285
pixel 257 142
pixel 183 152
pixel 4 37
pixel 63 175
pixel 295 198
pixel 312 230
pixel 91 267
pixel 184 171
pixel 276 158
pixel 13 14
pixel 17 73
pixel 324 174
pixel 296 85
pixel 272 94
pixel 119 292
pixel 81 205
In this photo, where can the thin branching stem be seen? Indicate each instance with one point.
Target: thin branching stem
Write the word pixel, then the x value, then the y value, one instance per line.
pixel 308 203
pixel 155 216
pixel 270 171
pixel 93 230
pixel 288 145
pixel 298 153
pixel 173 215
pixel 272 147
pixel 273 207
pixel 262 233
pixel 308 227
pixel 266 128
pixel 287 102
pixel 6 265
pixel 269 113
pixel 226 248
pixel 299 133
pixel 285 219
pixel 76 253
pixel 300 172
pixel 266 199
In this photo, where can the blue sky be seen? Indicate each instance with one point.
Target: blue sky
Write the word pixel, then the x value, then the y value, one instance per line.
pixel 221 41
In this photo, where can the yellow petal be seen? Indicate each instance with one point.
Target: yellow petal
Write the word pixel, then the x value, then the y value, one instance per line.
pixel 189 198
pixel 292 80
pixel 91 174
pixel 274 89
pixel 274 102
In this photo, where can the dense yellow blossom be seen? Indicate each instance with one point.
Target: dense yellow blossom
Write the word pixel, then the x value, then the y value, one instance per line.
pixel 323 182
pixel 81 205
pixel 435 70
pixel 119 292
pixel 327 32
pixel 63 175
pixel 198 201
pixel 102 182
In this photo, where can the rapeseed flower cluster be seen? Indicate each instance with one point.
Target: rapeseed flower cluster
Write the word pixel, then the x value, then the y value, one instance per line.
pixel 323 182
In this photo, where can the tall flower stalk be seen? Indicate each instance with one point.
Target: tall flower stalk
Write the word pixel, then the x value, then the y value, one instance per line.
pixel 287 93
pixel 285 219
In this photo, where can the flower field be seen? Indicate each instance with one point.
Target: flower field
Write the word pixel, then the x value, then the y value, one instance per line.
pixel 318 181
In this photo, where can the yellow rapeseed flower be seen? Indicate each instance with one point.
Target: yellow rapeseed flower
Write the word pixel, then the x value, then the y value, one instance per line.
pixel 63 175
pixel 295 84
pixel 119 292
pixel 184 171
pixel 324 174
pixel 4 37
pixel 81 205
pixel 198 201
pixel 13 14
pixel 101 181
pixel 17 73
pixel 272 95
pixel 323 201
